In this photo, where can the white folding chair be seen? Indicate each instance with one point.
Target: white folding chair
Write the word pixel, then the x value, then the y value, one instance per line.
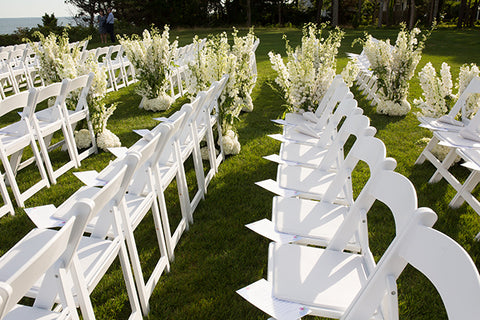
pixel 14 138
pixel 48 122
pixel 47 254
pixel 32 66
pixel 211 117
pixel 18 69
pixel 81 112
pixel 327 281
pixel 127 67
pixel 141 197
pixel 101 56
pixel 8 84
pixel 105 240
pixel 316 222
pixel 115 62
pixel 170 166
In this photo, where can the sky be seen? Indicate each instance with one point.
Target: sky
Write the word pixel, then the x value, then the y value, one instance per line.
pixel 35 8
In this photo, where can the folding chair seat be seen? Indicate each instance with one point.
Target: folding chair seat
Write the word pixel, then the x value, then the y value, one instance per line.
pixel 468 137
pixel 48 254
pixel 310 135
pixel 328 281
pixel 48 122
pixel 14 138
pixel 334 94
pixel 316 222
pixel 6 48
pixel 311 182
pixel 314 155
pixel 114 57
pixel 81 112
pixel 105 240
pixel 448 122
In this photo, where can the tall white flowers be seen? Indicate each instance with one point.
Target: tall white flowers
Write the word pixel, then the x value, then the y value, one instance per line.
pixel 216 58
pixel 394 66
pixel 437 90
pixel 152 57
pixel 310 68
pixel 58 61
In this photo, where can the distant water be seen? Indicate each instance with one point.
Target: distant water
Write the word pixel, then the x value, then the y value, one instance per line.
pixel 9 25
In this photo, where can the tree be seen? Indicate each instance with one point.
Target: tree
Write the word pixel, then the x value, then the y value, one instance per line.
pixel 88 8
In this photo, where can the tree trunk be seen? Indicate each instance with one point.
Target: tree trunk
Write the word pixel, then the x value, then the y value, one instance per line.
pixel 436 4
pixel 319 11
pixel 411 24
pixel 280 22
pixel 461 13
pixel 359 11
pixel 249 13
pixel 380 13
pixel 387 12
pixel 335 12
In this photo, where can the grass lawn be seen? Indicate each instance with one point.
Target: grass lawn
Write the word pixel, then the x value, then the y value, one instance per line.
pixel 218 255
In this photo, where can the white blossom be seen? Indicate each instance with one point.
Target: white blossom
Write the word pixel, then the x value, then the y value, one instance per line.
pixel 107 139
pixel 83 139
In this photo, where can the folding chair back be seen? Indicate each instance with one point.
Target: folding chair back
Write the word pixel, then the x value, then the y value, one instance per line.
pixel 49 121
pixel 41 250
pixel 443 261
pixel 81 112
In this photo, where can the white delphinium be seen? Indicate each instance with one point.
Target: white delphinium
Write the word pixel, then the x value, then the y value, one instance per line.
pixel 57 61
pixel 152 57
pixel 350 72
pixel 83 139
pixel 243 49
pixel 310 68
pixel 230 143
pixel 107 139
pixel 394 66
pixel 466 74
pixel 437 91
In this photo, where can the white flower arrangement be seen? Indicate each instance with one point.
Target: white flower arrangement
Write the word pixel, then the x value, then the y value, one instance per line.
pixel 57 61
pixel 160 103
pixel 230 143
pixel 152 57
pixel 211 62
pixel 437 90
pixel 310 68
pixel 394 66
pixel 350 72
pixel 83 139
pixel 107 139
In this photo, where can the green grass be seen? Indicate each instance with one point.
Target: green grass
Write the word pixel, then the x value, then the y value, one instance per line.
pixel 218 255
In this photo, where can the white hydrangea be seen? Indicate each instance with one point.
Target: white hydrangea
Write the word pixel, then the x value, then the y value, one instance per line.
pixel 230 143
pixel 107 139
pixel 392 108
pixel 83 139
pixel 161 103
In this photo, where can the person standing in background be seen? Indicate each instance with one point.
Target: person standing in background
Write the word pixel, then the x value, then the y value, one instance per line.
pixel 102 26
pixel 109 24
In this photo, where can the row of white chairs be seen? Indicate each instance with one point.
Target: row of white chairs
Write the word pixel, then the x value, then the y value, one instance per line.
pixel 320 262
pixel 60 269
pixel 51 127
pixel 366 80
pixel 19 67
pixel 462 139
